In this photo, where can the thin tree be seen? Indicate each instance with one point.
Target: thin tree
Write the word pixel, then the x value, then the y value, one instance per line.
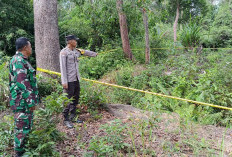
pixel 47 46
pixel 124 30
pixel 188 8
pixel 145 22
pixel 176 20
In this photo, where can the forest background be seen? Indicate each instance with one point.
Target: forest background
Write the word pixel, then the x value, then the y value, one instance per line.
pixel 193 63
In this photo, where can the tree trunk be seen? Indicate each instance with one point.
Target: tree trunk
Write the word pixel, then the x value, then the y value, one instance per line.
pixel 176 22
pixel 124 30
pixel 145 22
pixel 47 46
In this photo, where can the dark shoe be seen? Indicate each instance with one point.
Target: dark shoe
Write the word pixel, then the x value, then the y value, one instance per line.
pixel 79 121
pixel 72 117
pixel 68 124
pixel 19 154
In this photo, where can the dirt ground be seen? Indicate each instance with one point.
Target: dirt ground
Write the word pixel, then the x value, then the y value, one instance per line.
pixel 170 136
pixel 84 131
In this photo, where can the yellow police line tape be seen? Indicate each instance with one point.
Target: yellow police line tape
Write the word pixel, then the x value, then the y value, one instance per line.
pixel 159 48
pixel 164 48
pixel 147 92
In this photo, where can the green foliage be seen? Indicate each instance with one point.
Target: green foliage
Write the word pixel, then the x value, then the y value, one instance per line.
pixel 96 67
pixel 218 29
pixel 3 57
pixel 113 140
pixel 161 35
pixel 112 143
pixel 189 8
pixel 52 106
pixel 47 85
pixel 6 134
pixel 199 79
pixel 204 78
pixel 44 135
pixel 91 96
pixel 42 144
pixel 198 146
pixel 16 19
pixel 98 22
pixel 4 89
pixel 190 36
pixel 124 76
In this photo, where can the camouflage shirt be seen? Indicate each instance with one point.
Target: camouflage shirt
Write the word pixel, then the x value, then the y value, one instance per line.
pixel 23 86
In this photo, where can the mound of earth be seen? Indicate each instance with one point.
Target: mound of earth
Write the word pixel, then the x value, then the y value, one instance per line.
pixel 170 136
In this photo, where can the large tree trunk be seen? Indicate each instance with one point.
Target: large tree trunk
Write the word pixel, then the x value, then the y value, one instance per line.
pixel 47 46
pixel 145 22
pixel 124 30
pixel 176 22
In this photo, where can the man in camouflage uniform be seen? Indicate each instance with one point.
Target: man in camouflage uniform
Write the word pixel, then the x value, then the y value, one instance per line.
pixel 70 76
pixel 23 93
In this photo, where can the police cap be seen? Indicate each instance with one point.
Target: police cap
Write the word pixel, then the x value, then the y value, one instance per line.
pixel 71 37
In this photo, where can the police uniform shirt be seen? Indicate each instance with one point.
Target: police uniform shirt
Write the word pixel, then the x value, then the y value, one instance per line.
pixel 69 63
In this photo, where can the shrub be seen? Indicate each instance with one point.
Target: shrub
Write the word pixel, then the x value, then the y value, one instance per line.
pixel 204 78
pixel 190 36
pixel 112 143
pixel 44 135
pixel 96 67
pixel 218 31
pixel 92 96
pixel 6 134
pixel 4 86
pixel 47 85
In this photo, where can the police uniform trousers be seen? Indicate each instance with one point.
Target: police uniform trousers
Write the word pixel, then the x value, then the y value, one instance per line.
pixel 23 125
pixel 73 91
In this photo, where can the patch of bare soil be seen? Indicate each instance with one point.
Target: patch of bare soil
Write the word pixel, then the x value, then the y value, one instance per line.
pixel 81 132
pixel 165 135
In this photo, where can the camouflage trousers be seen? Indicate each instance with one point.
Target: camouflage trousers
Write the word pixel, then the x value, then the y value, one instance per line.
pixel 23 126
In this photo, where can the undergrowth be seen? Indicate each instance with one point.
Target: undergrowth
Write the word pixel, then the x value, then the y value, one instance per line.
pixel 205 77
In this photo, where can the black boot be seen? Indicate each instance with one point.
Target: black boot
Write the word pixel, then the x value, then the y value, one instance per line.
pixel 79 121
pixel 66 117
pixel 72 118
pixel 67 121
pixel 68 124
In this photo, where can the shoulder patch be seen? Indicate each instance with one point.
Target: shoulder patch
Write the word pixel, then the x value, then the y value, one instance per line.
pixel 81 51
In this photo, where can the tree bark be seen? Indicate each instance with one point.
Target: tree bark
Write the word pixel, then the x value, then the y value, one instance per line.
pixel 124 30
pixel 145 22
pixel 47 46
pixel 176 22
